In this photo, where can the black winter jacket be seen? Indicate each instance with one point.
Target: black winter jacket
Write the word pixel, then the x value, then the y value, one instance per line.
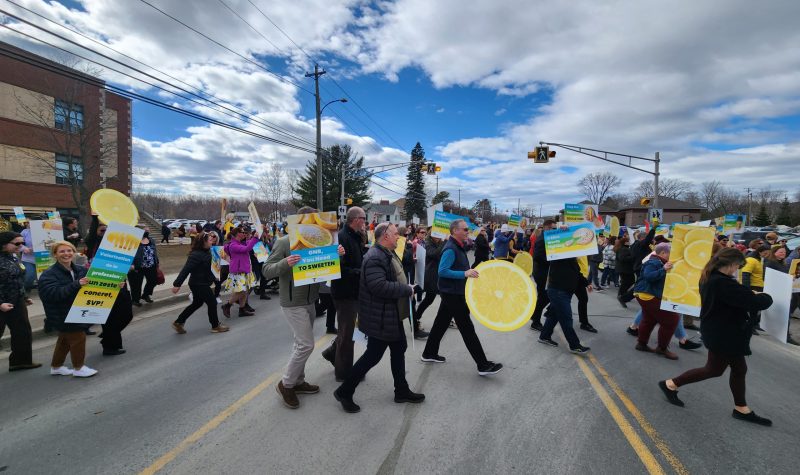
pixel 58 289
pixel 433 253
pixel 564 274
pixel 12 279
pixel 624 260
pixel 198 268
pixel 640 249
pixel 725 323
pixel 346 287
pixel 379 291
pixel 541 266
pixel 481 248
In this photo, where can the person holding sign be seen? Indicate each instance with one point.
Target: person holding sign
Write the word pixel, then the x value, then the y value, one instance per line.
pixel 58 287
pixel 725 324
pixel 454 271
pixel 14 302
pixel 240 278
pixel 297 303
pixel 562 282
pixel 198 269
pixel 648 290
pixel 383 303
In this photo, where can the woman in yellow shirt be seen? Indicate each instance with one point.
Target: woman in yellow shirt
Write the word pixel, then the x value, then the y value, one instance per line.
pixel 753 278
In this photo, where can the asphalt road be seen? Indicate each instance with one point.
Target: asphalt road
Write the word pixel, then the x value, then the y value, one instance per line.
pixel 206 403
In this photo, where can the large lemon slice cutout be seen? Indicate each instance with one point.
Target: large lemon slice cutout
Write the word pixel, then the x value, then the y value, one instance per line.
pixel 111 205
pixel 524 261
pixel 503 297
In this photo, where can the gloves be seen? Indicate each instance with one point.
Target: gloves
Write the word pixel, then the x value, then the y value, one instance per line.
pixel 417 290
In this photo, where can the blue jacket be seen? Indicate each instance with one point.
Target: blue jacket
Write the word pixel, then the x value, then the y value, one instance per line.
pixel 651 277
pixel 452 266
pixel 501 244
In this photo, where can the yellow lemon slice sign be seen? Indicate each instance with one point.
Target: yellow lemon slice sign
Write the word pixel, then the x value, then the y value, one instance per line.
pixel 111 205
pixel 503 297
pixel 524 261
pixel 312 235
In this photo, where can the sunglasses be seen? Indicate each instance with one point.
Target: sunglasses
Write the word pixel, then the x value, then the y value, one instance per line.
pixel 18 243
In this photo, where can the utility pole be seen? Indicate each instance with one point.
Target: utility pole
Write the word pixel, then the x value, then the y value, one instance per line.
pixel 518 207
pixel 437 183
pixel 341 199
pixel 749 207
pixel 655 180
pixel 459 199
pixel 316 74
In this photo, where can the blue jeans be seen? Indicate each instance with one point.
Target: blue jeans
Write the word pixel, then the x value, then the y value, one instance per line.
pixel 560 312
pixel 680 332
pixel 609 277
pixel 30 274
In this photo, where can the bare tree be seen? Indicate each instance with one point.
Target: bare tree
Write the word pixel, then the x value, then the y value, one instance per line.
pixel 84 142
pixel 669 188
pixel 273 185
pixel 711 194
pixel 597 186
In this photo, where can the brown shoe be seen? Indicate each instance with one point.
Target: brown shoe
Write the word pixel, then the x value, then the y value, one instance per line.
pixel 226 310
pixel 666 354
pixel 220 329
pixel 305 388
pixel 645 348
pixel 178 328
pixel 288 395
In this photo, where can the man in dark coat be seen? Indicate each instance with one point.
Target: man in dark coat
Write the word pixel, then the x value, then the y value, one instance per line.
pixel 345 292
pixel 541 266
pixel 383 303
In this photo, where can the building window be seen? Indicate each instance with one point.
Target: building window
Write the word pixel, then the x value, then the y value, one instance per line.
pixel 68 170
pixel 68 113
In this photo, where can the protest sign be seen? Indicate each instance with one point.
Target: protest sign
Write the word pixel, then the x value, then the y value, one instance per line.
pixel 514 220
pixel 576 240
pixel 690 251
pixel 793 268
pixel 218 259
pixel 441 223
pixel 43 235
pixel 53 215
pixel 261 252
pixel 419 266
pixel 432 210
pixel 259 228
pixel 662 230
pixel 733 223
pixel 580 213
pixel 401 247
pixel 109 269
pixel 313 237
pixel 20 214
pixel 474 230
pixel 775 319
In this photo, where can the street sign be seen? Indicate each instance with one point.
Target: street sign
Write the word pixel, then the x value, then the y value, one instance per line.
pixel 342 210
pixel 655 214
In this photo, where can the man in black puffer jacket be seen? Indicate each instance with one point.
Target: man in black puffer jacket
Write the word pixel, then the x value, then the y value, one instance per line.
pixel 383 303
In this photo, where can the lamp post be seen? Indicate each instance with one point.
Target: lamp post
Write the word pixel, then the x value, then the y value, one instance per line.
pixel 319 146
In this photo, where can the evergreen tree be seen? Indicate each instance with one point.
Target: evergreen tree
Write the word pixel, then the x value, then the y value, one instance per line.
pixel 356 183
pixel 784 213
pixel 415 180
pixel 762 218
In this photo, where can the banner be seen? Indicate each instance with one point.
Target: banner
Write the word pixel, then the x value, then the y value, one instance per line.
pixel 733 223
pixel 53 215
pixel 474 230
pixel 575 241
pixel 259 228
pixel 261 252
pixel 580 213
pixel 20 214
pixel 218 259
pixel 691 250
pixel 314 238
pixel 514 220
pixel 109 269
pixel 775 319
pixel 43 235
pixel 441 223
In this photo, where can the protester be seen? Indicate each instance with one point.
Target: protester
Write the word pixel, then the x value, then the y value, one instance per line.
pixel 58 287
pixel 624 269
pixel 93 238
pixel 453 271
pixel 503 238
pixel 582 291
pixel 228 226
pixel 433 253
pixel 541 267
pixel 482 248
pixel 297 303
pixel 564 277
pixel 240 278
pixel 14 303
pixel 753 278
pixel 345 292
pixel 181 231
pixel 775 260
pixel 648 290
pixel 594 265
pixel 724 323
pixel 71 233
pixel 165 232
pixel 198 269
pixel 609 264
pixel 119 317
pixel 145 266
pixel 383 303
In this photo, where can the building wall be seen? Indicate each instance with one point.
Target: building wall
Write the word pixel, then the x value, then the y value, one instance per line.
pixel 27 101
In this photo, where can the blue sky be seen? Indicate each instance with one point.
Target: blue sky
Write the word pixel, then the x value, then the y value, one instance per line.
pixel 714 87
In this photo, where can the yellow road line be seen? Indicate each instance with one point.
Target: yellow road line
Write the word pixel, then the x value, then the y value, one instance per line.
pixel 646 426
pixel 641 449
pixel 217 420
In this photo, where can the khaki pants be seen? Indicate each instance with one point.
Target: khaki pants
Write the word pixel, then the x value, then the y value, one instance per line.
pixel 73 343
pixel 301 319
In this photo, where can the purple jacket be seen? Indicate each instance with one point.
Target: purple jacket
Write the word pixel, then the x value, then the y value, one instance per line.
pixel 239 255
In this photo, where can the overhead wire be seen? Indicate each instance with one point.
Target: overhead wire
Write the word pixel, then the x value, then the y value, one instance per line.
pixel 243 114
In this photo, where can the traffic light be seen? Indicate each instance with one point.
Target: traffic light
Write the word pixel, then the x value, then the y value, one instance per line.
pixel 431 168
pixel 438 169
pixel 541 154
pixel 348 201
pixel 645 201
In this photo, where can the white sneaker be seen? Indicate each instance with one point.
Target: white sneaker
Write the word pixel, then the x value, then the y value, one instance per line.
pixel 61 371
pixel 84 372
pixel 219 300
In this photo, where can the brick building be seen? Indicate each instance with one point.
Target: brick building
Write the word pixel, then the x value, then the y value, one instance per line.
pixel 61 134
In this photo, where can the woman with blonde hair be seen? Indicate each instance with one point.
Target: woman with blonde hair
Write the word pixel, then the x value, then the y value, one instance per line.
pixel 58 287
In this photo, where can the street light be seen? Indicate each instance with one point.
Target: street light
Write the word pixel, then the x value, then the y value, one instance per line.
pixel 319 148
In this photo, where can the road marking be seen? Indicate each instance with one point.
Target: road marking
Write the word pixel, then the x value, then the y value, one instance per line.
pixel 646 426
pixel 641 449
pixel 162 461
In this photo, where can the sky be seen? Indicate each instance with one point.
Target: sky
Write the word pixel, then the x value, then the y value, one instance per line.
pixel 713 86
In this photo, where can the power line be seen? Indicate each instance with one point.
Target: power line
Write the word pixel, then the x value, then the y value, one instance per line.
pixel 118 71
pixel 131 95
pixel 244 114
pixel 280 78
pixel 252 27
